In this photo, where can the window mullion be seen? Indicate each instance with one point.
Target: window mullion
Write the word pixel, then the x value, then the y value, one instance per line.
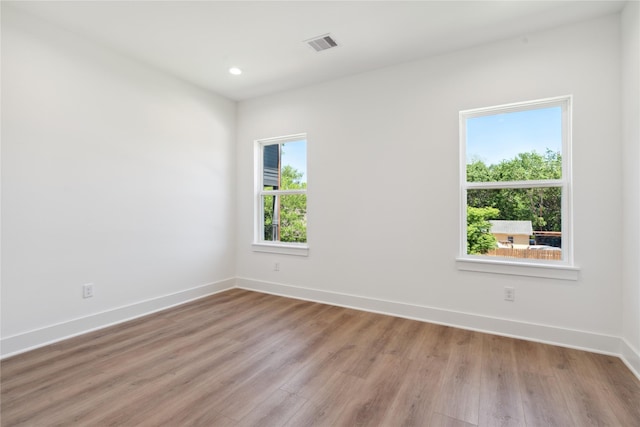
pixel 281 192
pixel 515 184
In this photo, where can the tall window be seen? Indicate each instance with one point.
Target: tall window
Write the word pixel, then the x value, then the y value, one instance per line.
pixel 516 182
pixel 282 191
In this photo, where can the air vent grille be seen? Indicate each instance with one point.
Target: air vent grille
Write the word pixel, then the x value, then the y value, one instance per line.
pixel 321 43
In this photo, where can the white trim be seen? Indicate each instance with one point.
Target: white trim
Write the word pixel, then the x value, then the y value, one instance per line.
pixel 564 269
pixel 499 265
pixel 281 248
pixel 564 337
pixel 630 356
pixel 283 139
pixel 281 192
pixel 36 338
pixel 516 106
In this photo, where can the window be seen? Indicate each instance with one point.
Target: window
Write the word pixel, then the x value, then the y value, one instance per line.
pixel 281 195
pixel 516 184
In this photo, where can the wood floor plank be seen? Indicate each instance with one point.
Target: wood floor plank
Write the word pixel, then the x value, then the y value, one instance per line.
pixel 77 358
pixel 622 391
pixel 583 396
pixel 245 376
pixel 415 400
pixel 534 357
pixel 432 341
pixel 275 410
pixel 441 420
pixel 543 401
pixel 317 372
pixel 500 400
pixel 381 386
pixel 241 358
pixel 85 379
pixel 371 341
pixel 582 386
pixel 460 390
pixel 126 384
pixel 329 402
pixel 402 335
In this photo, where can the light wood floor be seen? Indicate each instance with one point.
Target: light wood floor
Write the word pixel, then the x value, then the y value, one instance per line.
pixel 241 358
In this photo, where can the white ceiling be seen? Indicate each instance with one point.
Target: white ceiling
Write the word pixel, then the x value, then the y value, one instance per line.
pixel 199 40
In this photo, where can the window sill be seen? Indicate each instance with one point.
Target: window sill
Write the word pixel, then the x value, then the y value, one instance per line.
pixel 281 248
pixel 548 271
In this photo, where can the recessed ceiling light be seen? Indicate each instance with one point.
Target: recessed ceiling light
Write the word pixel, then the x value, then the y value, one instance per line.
pixel 235 71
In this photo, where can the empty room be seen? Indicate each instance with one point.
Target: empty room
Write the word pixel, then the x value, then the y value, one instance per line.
pixel 320 213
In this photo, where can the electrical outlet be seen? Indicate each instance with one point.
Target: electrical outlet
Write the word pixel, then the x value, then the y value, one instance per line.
pixel 509 294
pixel 276 266
pixel 87 290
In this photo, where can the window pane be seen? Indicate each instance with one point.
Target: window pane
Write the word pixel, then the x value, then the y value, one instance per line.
pixel 270 231
pixel 271 166
pixel 285 166
pixel 285 218
pixel 515 223
pixel 294 165
pixel 515 146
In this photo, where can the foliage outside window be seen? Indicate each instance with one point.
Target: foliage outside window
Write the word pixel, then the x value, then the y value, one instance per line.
pixel 515 182
pixel 282 192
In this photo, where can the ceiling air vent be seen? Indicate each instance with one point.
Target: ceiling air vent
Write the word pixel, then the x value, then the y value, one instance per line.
pixel 321 43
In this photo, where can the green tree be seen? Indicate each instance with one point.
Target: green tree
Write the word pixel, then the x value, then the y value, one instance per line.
pixel 478 171
pixel 541 206
pixel 293 208
pixel 479 237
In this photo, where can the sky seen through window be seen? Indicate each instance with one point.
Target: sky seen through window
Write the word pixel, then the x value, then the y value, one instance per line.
pixel 498 137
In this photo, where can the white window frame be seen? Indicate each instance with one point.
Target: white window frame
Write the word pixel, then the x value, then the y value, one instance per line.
pixel 563 269
pixel 259 244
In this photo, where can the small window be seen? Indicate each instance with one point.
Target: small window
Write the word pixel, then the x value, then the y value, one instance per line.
pixel 516 183
pixel 281 196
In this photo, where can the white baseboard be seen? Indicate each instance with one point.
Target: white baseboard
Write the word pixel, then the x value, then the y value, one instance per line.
pixel 630 356
pixel 581 340
pixel 30 340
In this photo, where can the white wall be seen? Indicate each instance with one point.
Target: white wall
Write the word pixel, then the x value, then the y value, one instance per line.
pixel 112 173
pixel 383 187
pixel 117 174
pixel 631 174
